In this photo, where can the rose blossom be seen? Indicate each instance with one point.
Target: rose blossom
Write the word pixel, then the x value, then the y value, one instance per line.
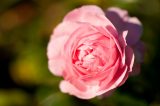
pixel 91 53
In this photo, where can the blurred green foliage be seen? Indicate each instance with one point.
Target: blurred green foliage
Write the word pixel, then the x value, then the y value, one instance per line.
pixel 25 28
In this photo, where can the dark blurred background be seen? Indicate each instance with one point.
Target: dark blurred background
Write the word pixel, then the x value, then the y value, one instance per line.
pixel 25 28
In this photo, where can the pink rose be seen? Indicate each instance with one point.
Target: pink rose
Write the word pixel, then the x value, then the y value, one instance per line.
pixel 90 53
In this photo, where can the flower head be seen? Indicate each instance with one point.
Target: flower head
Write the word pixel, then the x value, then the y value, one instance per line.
pixel 93 51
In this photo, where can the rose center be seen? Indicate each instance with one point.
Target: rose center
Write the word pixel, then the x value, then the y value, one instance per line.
pixel 87 58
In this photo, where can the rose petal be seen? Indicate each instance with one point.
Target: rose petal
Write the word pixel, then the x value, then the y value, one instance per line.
pixel 110 31
pixel 116 81
pixel 55 46
pixel 65 29
pixel 129 58
pixel 119 76
pixel 124 79
pixel 117 11
pixel 122 21
pixel 88 14
pixel 134 27
pixel 117 16
pixel 79 13
pixel 78 84
pixel 56 66
pixel 110 74
pixel 67 87
pixel 139 50
pixel 54 52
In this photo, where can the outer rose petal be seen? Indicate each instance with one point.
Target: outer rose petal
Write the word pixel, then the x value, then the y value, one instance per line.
pixel 78 13
pixel 89 14
pixel 56 66
pixel 117 79
pixel 65 29
pixel 134 27
pixel 129 58
pixel 122 22
pixel 55 46
pixel 54 51
pixel 117 17
pixel 139 50
pixel 67 87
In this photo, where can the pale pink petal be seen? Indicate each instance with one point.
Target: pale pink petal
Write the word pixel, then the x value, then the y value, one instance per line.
pixel 54 52
pixel 78 13
pixel 56 66
pixel 65 29
pixel 129 58
pixel 89 14
pixel 55 46
pixel 67 87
